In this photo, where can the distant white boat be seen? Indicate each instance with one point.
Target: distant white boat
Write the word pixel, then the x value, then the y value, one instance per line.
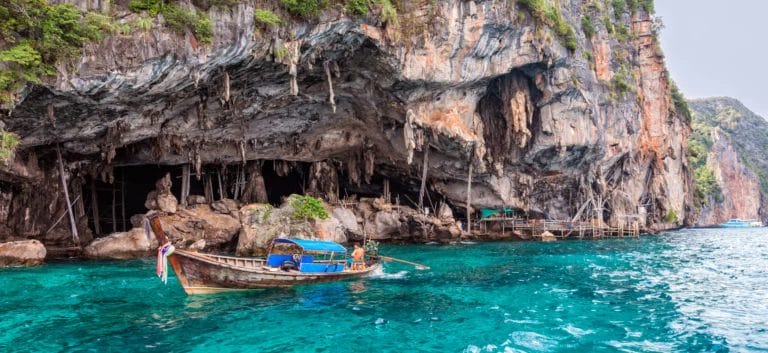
pixel 741 223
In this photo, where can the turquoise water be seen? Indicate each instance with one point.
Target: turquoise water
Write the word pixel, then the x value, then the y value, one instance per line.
pixel 691 291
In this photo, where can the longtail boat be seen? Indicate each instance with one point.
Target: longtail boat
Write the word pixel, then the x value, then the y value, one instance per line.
pixel 290 262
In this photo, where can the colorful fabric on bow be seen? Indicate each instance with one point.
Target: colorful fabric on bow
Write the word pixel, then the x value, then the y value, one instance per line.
pixel 162 261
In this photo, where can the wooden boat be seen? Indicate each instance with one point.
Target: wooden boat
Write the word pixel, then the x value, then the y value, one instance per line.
pixel 201 273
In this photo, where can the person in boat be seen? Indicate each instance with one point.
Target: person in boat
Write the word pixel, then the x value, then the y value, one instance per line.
pixel 358 258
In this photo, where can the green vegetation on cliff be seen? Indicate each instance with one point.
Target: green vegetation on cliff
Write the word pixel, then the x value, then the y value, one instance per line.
pixel 704 181
pixel 8 143
pixel 35 36
pixel 178 18
pixel 266 18
pixel 550 15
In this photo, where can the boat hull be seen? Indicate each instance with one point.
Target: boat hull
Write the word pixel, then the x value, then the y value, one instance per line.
pixel 204 274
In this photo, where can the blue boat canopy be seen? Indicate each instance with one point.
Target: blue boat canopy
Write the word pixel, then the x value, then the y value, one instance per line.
pixel 313 245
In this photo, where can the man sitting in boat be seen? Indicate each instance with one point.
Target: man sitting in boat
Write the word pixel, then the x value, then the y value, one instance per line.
pixel 358 258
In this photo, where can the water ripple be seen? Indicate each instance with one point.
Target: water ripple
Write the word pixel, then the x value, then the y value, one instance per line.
pixel 691 291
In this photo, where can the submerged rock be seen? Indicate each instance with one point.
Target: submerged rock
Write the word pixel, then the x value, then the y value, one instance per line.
pixel 132 244
pixel 22 253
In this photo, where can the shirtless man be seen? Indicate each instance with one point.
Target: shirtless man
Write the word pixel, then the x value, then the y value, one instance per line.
pixel 358 258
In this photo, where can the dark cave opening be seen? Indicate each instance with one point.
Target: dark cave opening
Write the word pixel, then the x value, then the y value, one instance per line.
pixel 282 181
pixel 125 197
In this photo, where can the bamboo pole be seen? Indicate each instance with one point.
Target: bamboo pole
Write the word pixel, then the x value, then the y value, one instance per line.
pixel 221 186
pixel 237 184
pixel 424 169
pixel 95 207
pixel 114 209
pixel 73 225
pixel 387 196
pixel 122 199
pixel 59 219
pixel 469 198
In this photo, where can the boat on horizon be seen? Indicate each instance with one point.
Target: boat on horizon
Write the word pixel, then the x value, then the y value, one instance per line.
pixel 290 262
pixel 741 223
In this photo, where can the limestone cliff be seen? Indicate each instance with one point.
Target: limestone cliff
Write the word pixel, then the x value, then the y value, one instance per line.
pixel 561 110
pixel 728 155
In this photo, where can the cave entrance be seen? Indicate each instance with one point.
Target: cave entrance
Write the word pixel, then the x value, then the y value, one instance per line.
pixel 118 201
pixel 125 197
pixel 283 179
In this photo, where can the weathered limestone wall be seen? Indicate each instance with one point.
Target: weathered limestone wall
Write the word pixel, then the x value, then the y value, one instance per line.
pixel 478 82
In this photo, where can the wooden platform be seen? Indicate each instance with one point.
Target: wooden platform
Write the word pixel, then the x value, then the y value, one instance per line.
pixel 560 229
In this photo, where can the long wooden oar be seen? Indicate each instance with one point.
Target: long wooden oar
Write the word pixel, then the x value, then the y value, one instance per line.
pixel 392 259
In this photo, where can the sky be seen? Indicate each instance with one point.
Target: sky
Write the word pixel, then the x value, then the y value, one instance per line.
pixel 718 48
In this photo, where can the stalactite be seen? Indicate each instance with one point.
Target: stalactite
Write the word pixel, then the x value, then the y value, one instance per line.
pixel 255 189
pixel 353 170
pixel 226 87
pixel 112 140
pixel 293 61
pixel 241 147
pixel 331 97
pixel 198 162
pixel 324 181
pixel 282 168
pixel 201 120
pixel 408 135
pixel 369 158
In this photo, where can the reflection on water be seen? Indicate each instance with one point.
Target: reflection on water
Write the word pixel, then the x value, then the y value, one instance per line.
pixel 692 291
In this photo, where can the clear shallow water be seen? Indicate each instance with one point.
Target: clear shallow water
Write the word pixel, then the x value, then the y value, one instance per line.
pixel 691 291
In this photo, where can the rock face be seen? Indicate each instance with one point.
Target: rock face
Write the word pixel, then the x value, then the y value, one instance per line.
pixel 190 225
pixel 22 253
pixel 728 154
pixel 132 244
pixel 547 129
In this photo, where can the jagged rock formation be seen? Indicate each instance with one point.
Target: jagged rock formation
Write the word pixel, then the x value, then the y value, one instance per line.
pixel 547 129
pixel 728 153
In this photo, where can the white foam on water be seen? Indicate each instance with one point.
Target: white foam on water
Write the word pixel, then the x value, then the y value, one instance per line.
pixel 489 348
pixel 577 332
pixel 379 273
pixel 472 349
